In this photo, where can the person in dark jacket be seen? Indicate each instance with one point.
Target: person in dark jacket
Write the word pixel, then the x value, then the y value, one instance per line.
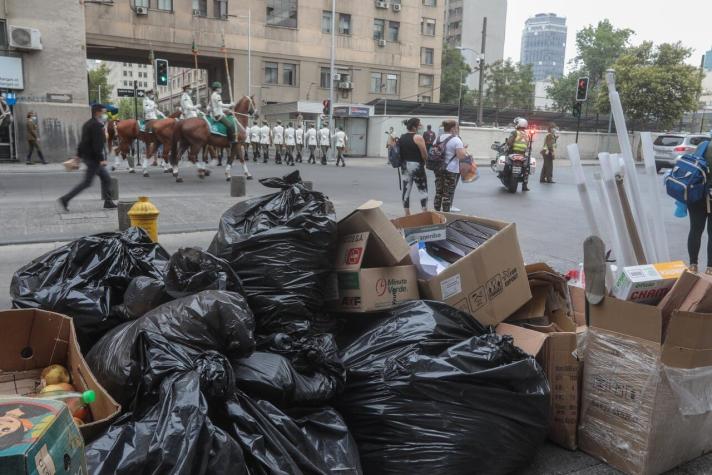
pixel 700 217
pixel 91 151
pixel 33 138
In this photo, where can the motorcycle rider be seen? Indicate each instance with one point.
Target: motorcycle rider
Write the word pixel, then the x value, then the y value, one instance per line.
pixel 188 109
pixel 518 142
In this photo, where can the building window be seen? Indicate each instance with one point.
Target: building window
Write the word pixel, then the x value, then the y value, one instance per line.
pixel 376 83
pixel 326 21
pixel 125 73
pixel 141 3
pixel 282 13
pixel 344 24
pixel 324 82
pixel 425 80
pixel 427 27
pixel 379 29
pixel 271 73
pixel 126 83
pixel 220 7
pixel 430 3
pixel 427 56
pixel 393 29
pixel 200 7
pixel 426 99
pixel 166 5
pixel 391 84
pixel 289 74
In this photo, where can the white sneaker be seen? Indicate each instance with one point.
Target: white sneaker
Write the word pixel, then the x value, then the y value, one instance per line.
pixel 455 210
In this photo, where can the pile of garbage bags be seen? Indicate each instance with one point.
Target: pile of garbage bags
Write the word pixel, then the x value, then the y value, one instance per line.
pixel 225 361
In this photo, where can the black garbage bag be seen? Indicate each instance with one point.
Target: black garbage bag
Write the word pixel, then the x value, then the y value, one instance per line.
pixel 87 278
pixel 430 390
pixel 170 430
pixel 304 441
pixel 282 247
pixel 191 270
pixel 210 320
pixel 142 295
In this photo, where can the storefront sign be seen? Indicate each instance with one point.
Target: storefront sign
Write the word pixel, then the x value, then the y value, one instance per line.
pixel 11 73
pixel 360 111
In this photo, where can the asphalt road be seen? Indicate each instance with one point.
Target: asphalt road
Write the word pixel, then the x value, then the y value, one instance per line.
pixel 549 221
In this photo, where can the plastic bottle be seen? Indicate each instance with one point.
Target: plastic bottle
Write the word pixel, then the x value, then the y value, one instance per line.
pixel 78 403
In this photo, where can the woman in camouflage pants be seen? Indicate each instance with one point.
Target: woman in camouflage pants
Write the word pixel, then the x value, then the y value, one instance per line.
pixel 447 178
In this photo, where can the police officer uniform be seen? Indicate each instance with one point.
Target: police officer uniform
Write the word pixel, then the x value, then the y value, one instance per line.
pixel 278 140
pixel 218 108
pixel 265 136
pixel 290 143
pixel 548 153
pixel 255 140
pixel 188 109
pixel 299 137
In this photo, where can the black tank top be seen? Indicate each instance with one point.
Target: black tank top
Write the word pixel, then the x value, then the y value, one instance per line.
pixel 409 150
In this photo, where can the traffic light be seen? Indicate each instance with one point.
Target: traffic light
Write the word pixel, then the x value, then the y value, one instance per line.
pixel 577 109
pixel 327 106
pixel 582 90
pixel 161 68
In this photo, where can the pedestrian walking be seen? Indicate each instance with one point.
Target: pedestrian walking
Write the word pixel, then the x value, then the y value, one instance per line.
pixel 447 178
pixel 413 153
pixel 548 154
pixel 278 141
pixel 299 137
pixel 701 217
pixel 312 142
pixel 429 137
pixel 91 151
pixel 33 138
pixel 255 141
pixel 324 141
pixel 340 139
pixel 265 140
pixel 290 143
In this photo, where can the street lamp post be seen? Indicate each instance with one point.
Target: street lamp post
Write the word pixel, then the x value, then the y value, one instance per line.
pixel 481 68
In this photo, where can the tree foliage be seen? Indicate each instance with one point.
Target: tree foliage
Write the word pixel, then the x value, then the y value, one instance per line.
pixel 126 108
pixel 654 83
pixel 454 71
pixel 99 81
pixel 598 48
pixel 509 86
pixel 562 91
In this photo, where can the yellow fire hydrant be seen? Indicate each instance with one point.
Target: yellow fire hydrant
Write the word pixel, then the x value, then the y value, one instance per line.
pixel 144 214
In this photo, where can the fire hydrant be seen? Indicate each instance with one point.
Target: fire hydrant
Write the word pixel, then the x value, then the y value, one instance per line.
pixel 143 214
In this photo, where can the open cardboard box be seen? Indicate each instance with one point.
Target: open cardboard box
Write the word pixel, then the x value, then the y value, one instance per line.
pixel 645 405
pixel 422 227
pixel 373 266
pixel 490 283
pixel 35 339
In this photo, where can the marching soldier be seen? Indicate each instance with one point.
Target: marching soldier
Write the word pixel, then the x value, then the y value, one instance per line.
pixel 299 136
pixel 218 109
pixel 548 153
pixel 311 139
pixel 324 141
pixel 265 140
pixel 341 140
pixel 290 143
pixel 255 140
pixel 187 107
pixel 278 140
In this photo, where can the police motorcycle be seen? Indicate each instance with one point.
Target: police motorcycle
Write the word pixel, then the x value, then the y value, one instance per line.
pixel 514 168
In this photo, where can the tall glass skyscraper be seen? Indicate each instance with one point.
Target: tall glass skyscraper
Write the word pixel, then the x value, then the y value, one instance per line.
pixel 544 45
pixel 708 60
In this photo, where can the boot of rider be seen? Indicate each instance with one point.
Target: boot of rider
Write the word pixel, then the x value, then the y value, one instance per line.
pixel 525 185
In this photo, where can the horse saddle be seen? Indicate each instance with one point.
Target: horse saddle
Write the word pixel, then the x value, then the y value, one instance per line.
pixel 142 126
pixel 218 128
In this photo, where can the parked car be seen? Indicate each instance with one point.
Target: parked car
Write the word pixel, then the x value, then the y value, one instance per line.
pixel 669 147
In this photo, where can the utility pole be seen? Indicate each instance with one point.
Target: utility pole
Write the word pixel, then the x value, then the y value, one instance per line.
pixel 459 101
pixel 332 74
pixel 249 52
pixel 480 111
pixel 135 87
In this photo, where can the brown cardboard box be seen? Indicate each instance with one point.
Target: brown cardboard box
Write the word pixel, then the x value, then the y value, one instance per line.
pixel 373 265
pixel 691 293
pixel 425 227
pixel 35 339
pixel 490 283
pixel 578 304
pixel 638 383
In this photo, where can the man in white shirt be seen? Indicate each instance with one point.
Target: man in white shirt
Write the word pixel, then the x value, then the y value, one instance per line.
pixel 150 111
pixel 299 136
pixel 255 140
pixel 324 142
pixel 340 139
pixel 290 143
pixel 278 140
pixel 218 109
pixel 188 109
pixel 265 140
pixel 311 140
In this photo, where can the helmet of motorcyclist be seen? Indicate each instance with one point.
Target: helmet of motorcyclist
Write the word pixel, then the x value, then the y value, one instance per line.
pixel 521 123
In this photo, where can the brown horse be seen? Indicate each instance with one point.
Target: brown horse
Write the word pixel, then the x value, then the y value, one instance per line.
pixel 195 134
pixel 112 139
pixel 128 131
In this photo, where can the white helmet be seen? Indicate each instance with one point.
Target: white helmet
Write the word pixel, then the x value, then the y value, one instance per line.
pixel 521 123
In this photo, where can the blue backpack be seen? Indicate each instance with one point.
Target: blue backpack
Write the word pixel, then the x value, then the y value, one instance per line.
pixel 687 182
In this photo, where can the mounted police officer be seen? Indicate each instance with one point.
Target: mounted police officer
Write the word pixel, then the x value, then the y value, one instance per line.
pixel 187 107
pixel 518 143
pixel 150 111
pixel 218 109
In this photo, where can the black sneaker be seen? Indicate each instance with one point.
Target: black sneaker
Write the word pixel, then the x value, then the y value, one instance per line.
pixel 108 204
pixel 62 206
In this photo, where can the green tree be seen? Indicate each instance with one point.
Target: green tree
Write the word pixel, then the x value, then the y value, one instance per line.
pixel 99 81
pixel 655 84
pixel 599 47
pixel 509 86
pixel 126 108
pixel 455 70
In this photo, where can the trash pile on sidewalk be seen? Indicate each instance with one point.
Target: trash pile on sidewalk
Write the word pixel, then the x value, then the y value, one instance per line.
pixel 299 343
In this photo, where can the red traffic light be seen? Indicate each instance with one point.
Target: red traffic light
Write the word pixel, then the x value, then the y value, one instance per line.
pixel 582 90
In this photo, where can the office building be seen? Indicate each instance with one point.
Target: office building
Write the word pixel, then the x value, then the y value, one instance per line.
pixel 123 75
pixel 544 45
pixel 708 60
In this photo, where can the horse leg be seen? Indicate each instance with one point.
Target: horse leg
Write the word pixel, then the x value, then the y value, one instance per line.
pixel 244 158
pixel 176 165
pixel 230 159
pixel 193 157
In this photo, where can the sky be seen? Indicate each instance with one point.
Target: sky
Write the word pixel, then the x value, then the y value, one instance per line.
pixel 689 21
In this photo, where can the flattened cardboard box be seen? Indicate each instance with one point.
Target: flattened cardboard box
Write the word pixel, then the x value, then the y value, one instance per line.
pixel 631 414
pixel 490 283
pixel 422 227
pixel 35 339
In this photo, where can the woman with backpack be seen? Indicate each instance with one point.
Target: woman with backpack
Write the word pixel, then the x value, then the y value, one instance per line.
pixel 413 154
pixel 452 150
pixel 700 217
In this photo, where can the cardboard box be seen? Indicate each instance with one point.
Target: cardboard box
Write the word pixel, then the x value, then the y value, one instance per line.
pixel 578 304
pixel 422 227
pixel 39 437
pixel 35 339
pixel 373 265
pixel 490 283
pixel 691 293
pixel 638 383
pixel 648 283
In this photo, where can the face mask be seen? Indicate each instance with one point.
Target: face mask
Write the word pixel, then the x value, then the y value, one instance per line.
pixel 104 118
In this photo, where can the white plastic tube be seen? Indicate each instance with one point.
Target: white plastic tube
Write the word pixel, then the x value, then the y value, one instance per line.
pixel 605 218
pixel 654 187
pixel 627 255
pixel 582 185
